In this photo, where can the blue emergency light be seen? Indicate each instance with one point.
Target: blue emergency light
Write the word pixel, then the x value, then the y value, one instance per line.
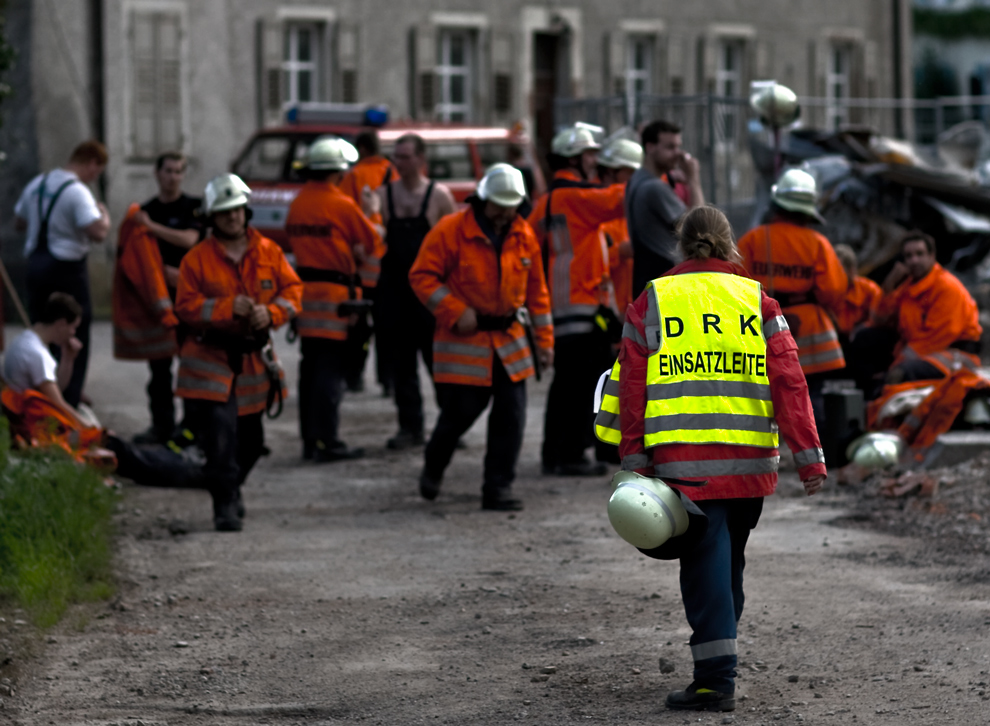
pixel 351 114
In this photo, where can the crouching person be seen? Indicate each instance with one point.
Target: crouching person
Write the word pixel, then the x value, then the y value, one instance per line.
pixel 707 374
pixel 234 287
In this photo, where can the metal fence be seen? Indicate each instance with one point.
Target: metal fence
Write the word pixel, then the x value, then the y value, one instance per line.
pixel 718 129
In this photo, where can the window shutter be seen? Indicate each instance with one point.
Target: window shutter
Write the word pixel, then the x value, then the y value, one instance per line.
pixel 347 62
pixel 503 93
pixel 143 85
pixel 156 83
pixel 268 47
pixel 502 64
pixel 426 58
pixel 170 83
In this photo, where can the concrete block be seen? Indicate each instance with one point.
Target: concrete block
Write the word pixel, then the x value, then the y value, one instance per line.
pixel 955 447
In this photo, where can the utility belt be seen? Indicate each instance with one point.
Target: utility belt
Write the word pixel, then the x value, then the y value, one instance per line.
pixel 316 274
pixel 496 322
pixel 973 347
pixel 237 346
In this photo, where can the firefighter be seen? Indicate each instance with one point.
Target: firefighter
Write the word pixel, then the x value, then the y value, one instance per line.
pixel 361 183
pixel 234 287
pixel 566 221
pixel 410 206
pixel 861 299
pixel 618 161
pixel 798 268
pixel 330 237
pixel 706 374
pixel 481 275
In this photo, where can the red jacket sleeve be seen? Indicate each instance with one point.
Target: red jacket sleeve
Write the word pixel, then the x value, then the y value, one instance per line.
pixel 789 391
pixel 633 356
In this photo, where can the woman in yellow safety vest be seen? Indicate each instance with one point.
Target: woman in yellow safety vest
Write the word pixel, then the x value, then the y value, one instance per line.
pixel 707 378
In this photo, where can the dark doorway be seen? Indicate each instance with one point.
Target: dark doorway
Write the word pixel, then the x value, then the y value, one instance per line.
pixel 546 86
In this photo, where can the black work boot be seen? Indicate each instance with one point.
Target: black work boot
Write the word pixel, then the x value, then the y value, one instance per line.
pixel 405 439
pixel 225 517
pixel 428 486
pixel 500 500
pixel 695 698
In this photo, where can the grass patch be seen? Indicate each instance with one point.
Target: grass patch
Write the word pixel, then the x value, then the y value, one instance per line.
pixel 55 532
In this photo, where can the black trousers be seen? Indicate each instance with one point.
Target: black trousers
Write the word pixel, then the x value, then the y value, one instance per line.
pixel 569 426
pixel 232 444
pixel 154 465
pixel 406 328
pixel 46 275
pixel 161 399
pixel 460 407
pixel 322 370
pixel 868 356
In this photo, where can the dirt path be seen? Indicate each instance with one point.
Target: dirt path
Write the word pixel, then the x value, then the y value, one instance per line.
pixel 348 599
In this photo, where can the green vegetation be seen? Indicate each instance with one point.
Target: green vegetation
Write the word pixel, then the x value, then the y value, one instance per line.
pixel 55 532
pixel 952 24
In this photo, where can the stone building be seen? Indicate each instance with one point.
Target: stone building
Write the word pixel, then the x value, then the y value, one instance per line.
pixel 202 75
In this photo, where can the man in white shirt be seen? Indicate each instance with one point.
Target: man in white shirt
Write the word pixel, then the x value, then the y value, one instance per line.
pixel 62 220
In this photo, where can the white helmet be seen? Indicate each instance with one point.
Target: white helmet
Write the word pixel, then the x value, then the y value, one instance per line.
pixel 796 191
pixel 226 191
pixel 621 154
pixel 330 153
pixel 573 140
pixel 502 184
pixel 876 450
pixel 644 511
pixel 776 105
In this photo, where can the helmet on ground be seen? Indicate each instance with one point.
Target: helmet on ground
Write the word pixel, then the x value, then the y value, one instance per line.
pixel 876 450
pixel 796 191
pixel 776 105
pixel 644 511
pixel 226 191
pixel 621 154
pixel 502 184
pixel 330 153
pixel 572 141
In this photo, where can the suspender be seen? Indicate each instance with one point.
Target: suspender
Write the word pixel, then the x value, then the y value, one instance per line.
pixel 41 246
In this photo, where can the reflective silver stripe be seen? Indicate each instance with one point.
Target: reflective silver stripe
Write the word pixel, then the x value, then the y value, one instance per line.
pixel 200 384
pixel 254 380
pixel 611 387
pixel 635 461
pixel 809 456
pixel 560 269
pixel 577 327
pixel 252 398
pixel 713 649
pixel 519 366
pixel 513 346
pixel 575 310
pixel 774 325
pixel 808 340
pixel 911 421
pixel 652 495
pixel 735 389
pixel 709 422
pixel 283 303
pixel 319 306
pixel 466 349
pixel 651 323
pixel 321 324
pixel 163 303
pixel 608 420
pixel 540 320
pixel 823 357
pixel 139 335
pixel 205 366
pixel 438 295
pixel 460 369
pixel 207 312
pixel 629 331
pixel 717 467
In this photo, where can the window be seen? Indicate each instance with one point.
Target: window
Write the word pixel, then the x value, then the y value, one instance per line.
pixel 837 87
pixel 265 160
pixel 639 65
pixel 156 83
pixel 454 70
pixel 728 84
pixel 301 81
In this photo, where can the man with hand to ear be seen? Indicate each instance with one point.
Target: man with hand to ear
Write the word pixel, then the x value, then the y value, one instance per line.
pixel 480 273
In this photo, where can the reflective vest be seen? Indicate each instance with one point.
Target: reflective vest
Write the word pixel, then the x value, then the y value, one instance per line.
pixel 706 375
pixel 143 320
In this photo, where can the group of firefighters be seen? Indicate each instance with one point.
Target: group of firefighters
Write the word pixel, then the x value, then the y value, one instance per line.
pixel 727 345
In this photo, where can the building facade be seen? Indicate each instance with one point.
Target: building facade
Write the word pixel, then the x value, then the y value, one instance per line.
pixel 202 75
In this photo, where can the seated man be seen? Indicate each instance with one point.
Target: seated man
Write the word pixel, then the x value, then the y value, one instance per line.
pixel 935 318
pixel 39 415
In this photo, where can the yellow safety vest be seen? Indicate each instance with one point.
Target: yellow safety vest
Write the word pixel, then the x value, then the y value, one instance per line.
pixel 706 375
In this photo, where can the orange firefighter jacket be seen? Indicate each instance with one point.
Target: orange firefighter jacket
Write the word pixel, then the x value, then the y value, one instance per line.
pixel 143 320
pixel 457 268
pixel 857 307
pixel 936 414
pixel 208 283
pixel 806 278
pixel 36 421
pixel 932 314
pixel 324 227
pixel 615 234
pixel 566 221
pixel 372 172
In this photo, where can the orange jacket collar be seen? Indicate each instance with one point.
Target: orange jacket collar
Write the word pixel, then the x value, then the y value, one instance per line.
pixel 914 288
pixel 472 230
pixel 568 175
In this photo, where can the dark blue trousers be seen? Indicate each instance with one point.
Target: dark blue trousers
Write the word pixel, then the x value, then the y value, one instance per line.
pixel 712 589
pixel 322 370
